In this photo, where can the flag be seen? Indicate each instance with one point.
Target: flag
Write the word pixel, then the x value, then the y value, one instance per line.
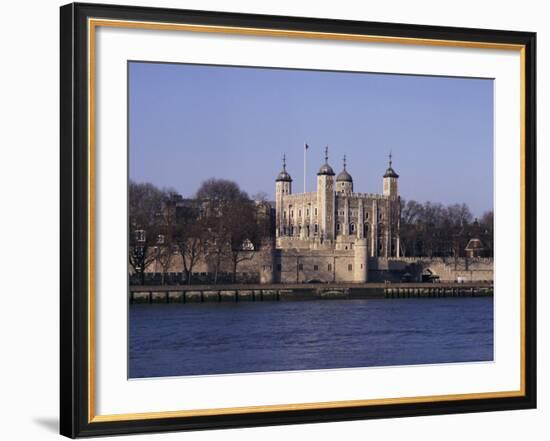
pixel 306 146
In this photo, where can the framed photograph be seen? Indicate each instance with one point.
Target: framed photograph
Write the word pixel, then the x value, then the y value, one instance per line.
pixel 274 220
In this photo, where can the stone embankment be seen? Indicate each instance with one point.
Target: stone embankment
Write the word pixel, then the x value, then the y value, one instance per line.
pixel 260 293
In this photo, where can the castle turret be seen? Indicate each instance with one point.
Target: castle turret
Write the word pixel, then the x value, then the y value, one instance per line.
pixel 344 181
pixel 360 261
pixel 325 199
pixel 390 180
pixel 283 187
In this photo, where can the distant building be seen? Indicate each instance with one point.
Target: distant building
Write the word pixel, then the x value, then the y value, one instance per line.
pixel 328 235
pixel 474 248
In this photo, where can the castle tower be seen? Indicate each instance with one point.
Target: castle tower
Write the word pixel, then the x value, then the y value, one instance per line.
pixel 360 261
pixel 325 199
pixel 283 187
pixel 390 180
pixel 344 181
pixel 267 263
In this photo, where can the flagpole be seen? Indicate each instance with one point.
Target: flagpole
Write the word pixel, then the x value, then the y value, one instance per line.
pixel 305 151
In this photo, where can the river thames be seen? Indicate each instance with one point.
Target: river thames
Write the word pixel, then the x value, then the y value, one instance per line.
pixel 223 338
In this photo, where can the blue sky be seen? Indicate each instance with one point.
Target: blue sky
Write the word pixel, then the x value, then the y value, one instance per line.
pixel 189 123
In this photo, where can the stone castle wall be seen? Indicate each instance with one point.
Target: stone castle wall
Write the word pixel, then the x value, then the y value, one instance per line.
pixel 299 266
pixel 295 265
pixel 447 269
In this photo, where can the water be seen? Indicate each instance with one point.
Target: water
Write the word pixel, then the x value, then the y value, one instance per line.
pixel 221 338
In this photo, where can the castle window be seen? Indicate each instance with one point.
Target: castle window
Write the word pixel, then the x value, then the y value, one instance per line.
pixel 301 266
pixel 284 214
pixel 279 267
pixel 329 267
pixel 352 228
pixel 307 230
pixel 366 214
pixel 140 235
pixel 380 247
pixel 315 211
pixel 299 213
pixel 365 229
pixel 315 267
pixel 291 213
pixel 307 211
pixel 316 228
pixel 350 267
pixel 338 227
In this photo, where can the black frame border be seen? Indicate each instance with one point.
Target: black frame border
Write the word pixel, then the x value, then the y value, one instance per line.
pixel 74 219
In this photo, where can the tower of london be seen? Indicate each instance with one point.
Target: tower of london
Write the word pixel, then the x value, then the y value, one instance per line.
pixel 329 234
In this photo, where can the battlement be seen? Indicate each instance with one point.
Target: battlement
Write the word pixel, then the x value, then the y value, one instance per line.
pixel 368 196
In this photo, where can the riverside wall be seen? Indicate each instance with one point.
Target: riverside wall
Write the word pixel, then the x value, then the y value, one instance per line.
pixel 447 269
pixel 326 266
pixel 293 292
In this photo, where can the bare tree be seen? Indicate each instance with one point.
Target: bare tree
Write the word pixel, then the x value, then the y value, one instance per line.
pixel 232 224
pixel 190 237
pixel 166 221
pixel 411 214
pixel 486 223
pixel 145 202
pixel 243 233
pixel 431 229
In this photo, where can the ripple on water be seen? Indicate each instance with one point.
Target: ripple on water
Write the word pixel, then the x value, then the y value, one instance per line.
pixel 199 339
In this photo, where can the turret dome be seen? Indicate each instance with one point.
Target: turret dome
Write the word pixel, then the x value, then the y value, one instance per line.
pixel 344 176
pixel 325 168
pixel 390 172
pixel 284 176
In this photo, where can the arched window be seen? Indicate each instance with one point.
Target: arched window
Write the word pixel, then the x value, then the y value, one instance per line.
pixel 316 228
pixel 352 228
pixel 338 227
pixel 307 231
pixel 366 229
